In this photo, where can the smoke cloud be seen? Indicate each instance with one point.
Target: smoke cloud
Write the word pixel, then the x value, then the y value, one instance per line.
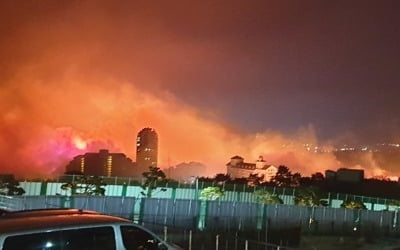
pixel 77 76
pixel 45 124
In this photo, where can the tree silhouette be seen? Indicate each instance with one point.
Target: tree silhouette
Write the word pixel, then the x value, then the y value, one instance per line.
pixel 317 177
pixel 283 177
pixel 211 193
pixel 295 180
pixel 10 186
pixel 85 185
pixel 254 180
pixel 351 204
pixel 309 197
pixel 263 196
pixel 241 180
pixel 155 176
pixel 222 178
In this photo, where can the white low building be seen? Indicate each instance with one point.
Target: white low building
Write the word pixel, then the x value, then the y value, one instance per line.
pixel 237 168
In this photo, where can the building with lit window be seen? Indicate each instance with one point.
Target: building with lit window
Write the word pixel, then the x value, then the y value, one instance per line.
pixel 146 149
pixel 237 168
pixel 102 163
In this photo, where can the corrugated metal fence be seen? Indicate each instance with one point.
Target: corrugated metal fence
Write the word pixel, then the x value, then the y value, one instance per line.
pixel 232 193
pixel 10 202
pixel 222 215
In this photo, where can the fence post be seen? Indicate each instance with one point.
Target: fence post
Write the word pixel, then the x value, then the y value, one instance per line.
pixel 260 215
pixel 138 210
pixel 124 190
pixel 236 240
pixel 165 233
pixel 216 242
pixel 329 200
pixel 266 229
pixel 196 194
pixel 43 188
pixel 202 215
pixel 190 240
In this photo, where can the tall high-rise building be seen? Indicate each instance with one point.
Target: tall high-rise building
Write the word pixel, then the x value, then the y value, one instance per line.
pixel 146 149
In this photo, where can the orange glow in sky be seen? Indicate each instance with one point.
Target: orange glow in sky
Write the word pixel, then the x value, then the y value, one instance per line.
pixel 83 114
pixel 79 143
pixel 80 76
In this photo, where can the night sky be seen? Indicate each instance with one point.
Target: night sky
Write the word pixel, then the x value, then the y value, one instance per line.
pixel 214 78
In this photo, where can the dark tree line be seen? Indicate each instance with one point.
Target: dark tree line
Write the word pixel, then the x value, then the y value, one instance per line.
pixel 283 178
pixel 310 189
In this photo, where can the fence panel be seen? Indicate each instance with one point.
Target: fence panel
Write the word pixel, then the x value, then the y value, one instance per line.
pixel 186 193
pixel 186 213
pixel 36 202
pixel 119 206
pixel 96 203
pixel 221 215
pixel 134 191
pixel 281 215
pixel 11 202
pixel 176 213
pixel 113 190
pixel 241 193
pixel 32 188
pixel 325 219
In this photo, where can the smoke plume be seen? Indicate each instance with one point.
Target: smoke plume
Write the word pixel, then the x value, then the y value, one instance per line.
pixel 79 76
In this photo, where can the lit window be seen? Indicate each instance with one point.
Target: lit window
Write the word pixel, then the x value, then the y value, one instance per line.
pixel 82 166
pixel 109 165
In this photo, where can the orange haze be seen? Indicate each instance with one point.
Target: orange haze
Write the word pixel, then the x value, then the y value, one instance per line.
pixel 45 124
pixel 79 76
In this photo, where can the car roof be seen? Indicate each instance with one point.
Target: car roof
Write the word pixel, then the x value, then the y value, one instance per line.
pixel 9 224
pixel 44 212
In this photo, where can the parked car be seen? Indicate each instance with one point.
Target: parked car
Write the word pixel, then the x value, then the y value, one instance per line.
pixel 66 229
